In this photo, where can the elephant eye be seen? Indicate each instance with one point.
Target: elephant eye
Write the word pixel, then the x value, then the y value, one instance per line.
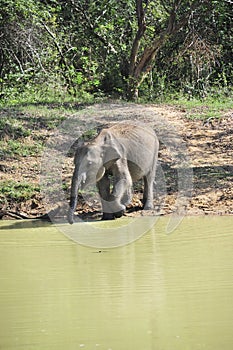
pixel 89 162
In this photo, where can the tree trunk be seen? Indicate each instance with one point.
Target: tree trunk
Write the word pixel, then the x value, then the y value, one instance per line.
pixel 139 67
pixel 141 70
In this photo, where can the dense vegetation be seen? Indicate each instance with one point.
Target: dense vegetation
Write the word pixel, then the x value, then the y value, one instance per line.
pixel 153 47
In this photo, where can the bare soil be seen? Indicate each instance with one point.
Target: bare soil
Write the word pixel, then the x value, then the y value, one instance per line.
pixel 210 151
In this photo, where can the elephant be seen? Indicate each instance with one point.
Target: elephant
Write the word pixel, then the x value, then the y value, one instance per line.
pixel 123 152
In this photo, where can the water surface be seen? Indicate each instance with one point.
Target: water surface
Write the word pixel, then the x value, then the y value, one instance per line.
pixel 161 292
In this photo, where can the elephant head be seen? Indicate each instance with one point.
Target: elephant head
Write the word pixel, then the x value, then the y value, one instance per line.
pixel 91 160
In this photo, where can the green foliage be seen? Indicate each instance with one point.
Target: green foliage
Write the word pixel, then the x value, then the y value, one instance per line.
pixel 89 134
pixel 12 128
pixel 15 149
pixel 11 190
pixel 83 47
pixel 208 108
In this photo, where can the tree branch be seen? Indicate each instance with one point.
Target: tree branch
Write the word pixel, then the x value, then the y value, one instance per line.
pixel 53 36
pixel 149 53
pixel 91 26
pixel 140 32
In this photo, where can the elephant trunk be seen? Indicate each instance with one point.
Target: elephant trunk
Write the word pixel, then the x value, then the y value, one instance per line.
pixel 76 180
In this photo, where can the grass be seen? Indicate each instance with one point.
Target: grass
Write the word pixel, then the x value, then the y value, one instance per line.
pixel 14 149
pixel 24 125
pixel 203 109
pixel 21 121
pixel 15 191
pixel 23 128
pixel 13 128
pixel 43 93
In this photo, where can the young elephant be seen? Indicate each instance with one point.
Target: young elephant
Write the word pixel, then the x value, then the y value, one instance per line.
pixel 128 152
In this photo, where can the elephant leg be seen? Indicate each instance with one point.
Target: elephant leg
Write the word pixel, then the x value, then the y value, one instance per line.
pixel 149 179
pixel 115 199
pixel 127 197
pixel 148 191
pixel 122 189
pixel 104 191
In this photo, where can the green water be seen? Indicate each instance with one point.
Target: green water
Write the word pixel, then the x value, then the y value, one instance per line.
pixel 161 292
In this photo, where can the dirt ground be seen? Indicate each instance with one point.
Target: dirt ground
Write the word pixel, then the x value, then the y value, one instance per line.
pixel 208 148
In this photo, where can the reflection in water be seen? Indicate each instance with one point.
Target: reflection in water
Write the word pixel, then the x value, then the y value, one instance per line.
pixel 161 292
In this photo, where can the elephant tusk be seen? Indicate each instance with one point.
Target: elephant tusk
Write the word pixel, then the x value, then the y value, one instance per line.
pixel 83 178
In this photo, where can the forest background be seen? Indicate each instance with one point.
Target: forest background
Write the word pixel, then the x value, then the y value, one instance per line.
pixel 131 48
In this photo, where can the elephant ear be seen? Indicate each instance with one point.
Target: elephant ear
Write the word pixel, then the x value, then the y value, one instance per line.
pixel 112 149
